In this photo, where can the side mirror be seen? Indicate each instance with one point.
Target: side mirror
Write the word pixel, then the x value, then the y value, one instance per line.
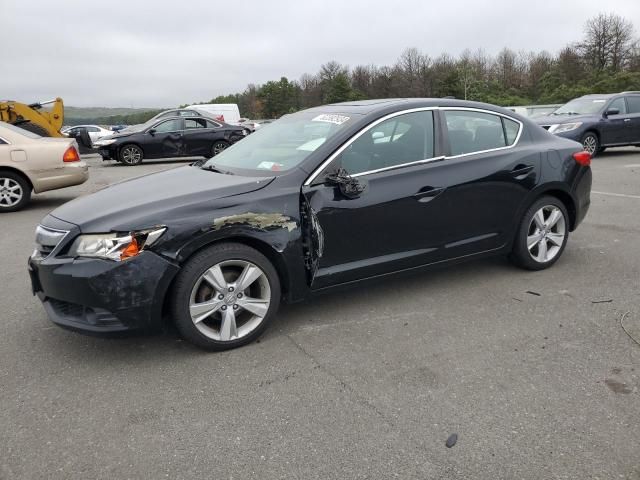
pixel 349 187
pixel 612 111
pixel 152 131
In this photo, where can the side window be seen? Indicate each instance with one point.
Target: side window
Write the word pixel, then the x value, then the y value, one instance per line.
pixel 188 113
pixel 93 129
pixel 634 104
pixel 213 124
pixel 474 131
pixel 511 130
pixel 403 139
pixel 2 141
pixel 619 104
pixel 193 123
pixel 168 126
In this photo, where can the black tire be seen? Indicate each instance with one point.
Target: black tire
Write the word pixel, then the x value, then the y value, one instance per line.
pixel 591 143
pixel 188 279
pixel 130 155
pixel 521 255
pixel 33 128
pixel 13 183
pixel 218 147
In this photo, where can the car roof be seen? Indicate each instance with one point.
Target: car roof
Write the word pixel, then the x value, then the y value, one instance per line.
pixel 366 107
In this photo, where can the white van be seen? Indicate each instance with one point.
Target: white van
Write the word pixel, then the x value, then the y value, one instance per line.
pixel 224 112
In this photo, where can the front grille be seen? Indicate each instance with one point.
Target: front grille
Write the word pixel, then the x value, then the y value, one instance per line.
pixel 47 239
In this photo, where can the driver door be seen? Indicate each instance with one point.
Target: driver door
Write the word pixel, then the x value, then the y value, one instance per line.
pixel 165 139
pixel 379 230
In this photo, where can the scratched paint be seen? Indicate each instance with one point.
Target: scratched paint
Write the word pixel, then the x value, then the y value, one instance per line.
pixel 264 221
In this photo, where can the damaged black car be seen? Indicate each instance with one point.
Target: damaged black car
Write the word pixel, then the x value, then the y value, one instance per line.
pixel 320 199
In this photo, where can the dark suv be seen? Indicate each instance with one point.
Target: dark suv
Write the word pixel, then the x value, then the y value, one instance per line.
pixel 598 121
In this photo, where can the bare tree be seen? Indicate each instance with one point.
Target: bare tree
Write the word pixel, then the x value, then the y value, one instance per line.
pixel 608 42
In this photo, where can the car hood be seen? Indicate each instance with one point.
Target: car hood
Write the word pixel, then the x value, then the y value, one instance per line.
pixel 155 199
pixel 555 119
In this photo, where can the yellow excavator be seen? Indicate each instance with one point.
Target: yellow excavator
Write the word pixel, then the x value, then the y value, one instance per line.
pixel 34 118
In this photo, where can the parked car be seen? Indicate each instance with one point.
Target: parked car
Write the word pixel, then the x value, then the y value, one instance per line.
pixel 308 204
pixel 95 131
pixel 118 128
pixel 176 112
pixel 170 137
pixel 533 111
pixel 222 112
pixel 598 121
pixel 31 163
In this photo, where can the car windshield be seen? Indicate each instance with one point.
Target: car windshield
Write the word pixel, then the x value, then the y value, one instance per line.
pixel 581 106
pixel 283 144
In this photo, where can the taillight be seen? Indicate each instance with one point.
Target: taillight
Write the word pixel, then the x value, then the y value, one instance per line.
pixel 71 155
pixel 583 158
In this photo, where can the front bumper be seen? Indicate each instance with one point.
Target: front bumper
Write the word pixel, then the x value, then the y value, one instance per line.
pixel 101 296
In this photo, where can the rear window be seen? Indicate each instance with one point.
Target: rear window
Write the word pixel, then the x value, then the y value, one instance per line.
pixel 634 104
pixel 471 131
pixel 20 131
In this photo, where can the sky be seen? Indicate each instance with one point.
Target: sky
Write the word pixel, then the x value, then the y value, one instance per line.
pixel 159 53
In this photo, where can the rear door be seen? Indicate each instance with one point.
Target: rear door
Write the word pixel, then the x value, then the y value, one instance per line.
pixel 199 136
pixel 633 121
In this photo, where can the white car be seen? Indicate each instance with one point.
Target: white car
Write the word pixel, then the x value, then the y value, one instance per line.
pixel 29 162
pixel 95 132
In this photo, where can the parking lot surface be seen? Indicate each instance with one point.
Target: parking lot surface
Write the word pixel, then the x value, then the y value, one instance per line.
pixel 532 370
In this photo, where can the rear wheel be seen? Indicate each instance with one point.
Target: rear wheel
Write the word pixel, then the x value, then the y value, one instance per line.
pixel 15 191
pixel 218 147
pixel 542 235
pixel 131 155
pixel 225 296
pixel 591 144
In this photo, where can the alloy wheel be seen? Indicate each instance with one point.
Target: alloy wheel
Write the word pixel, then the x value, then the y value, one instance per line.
pixel 131 155
pixel 230 300
pixel 10 192
pixel 590 144
pixel 219 147
pixel 546 233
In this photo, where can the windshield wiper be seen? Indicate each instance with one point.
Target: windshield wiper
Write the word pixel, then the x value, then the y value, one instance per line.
pixel 213 168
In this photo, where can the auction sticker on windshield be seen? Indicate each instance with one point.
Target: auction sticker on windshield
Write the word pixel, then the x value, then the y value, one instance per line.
pixel 331 118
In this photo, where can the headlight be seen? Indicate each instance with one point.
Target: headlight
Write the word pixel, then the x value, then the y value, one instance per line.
pixel 113 246
pixel 564 127
pixel 103 143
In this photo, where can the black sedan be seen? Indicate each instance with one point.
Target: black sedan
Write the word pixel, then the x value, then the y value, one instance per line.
pixel 320 199
pixel 177 136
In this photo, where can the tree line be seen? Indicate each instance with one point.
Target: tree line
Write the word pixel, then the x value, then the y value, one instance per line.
pixel 605 60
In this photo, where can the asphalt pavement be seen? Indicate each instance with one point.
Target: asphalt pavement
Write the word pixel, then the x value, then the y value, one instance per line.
pixel 532 370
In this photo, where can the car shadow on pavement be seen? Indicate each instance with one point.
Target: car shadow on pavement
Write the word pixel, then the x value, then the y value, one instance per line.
pixel 166 346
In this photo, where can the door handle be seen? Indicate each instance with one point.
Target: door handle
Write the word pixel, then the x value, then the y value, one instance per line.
pixel 627 119
pixel 426 194
pixel 521 171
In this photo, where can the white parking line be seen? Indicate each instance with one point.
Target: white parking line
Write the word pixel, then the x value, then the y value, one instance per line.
pixel 633 165
pixel 616 194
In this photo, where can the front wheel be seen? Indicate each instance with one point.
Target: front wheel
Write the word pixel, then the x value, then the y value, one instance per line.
pixel 591 144
pixel 225 296
pixel 131 155
pixel 542 235
pixel 15 192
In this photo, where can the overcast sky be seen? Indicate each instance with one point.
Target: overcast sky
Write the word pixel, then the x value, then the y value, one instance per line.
pixel 163 53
